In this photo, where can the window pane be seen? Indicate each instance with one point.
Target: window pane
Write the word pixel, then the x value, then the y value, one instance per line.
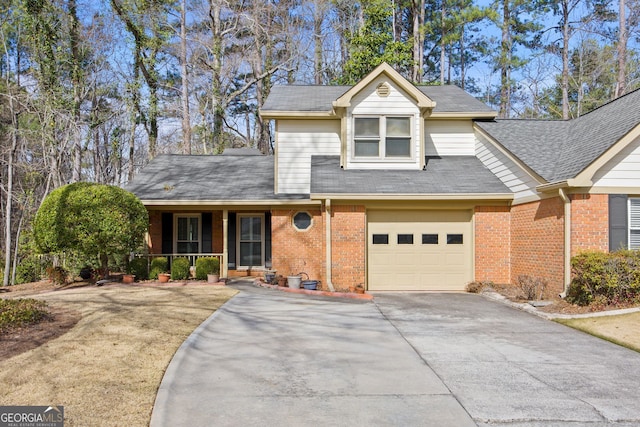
pixel 454 239
pixel 429 239
pixel 366 127
pixel 634 213
pixel 187 247
pixel 183 229
pixel 634 239
pixel 398 126
pixel 193 229
pixel 380 239
pixel 302 220
pixel 250 228
pixel 250 254
pixel 367 148
pixel 405 239
pixel 398 147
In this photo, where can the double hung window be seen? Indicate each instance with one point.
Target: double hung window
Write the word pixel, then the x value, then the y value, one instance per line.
pixel 187 234
pixel 382 137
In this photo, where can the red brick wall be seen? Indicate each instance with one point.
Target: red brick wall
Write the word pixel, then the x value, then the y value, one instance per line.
pixel 295 251
pixel 589 223
pixel 493 244
pixel 537 242
pixel 349 245
pixel 155 232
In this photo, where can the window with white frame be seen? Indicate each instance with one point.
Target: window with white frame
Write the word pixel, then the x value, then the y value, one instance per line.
pixel 382 137
pixel 634 223
pixel 187 235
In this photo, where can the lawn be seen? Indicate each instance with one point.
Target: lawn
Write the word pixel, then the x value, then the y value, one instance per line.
pixel 622 329
pixel 106 370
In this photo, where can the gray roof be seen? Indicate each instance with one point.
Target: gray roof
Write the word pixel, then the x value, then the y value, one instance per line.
pixel 320 98
pixel 174 177
pixel 560 150
pixel 443 175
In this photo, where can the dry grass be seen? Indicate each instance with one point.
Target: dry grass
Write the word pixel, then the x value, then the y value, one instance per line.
pixel 107 369
pixel 623 329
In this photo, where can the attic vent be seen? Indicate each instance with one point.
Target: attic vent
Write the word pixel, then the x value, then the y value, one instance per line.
pixel 383 90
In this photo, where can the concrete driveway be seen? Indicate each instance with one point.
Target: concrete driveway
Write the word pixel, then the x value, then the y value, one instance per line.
pixel 272 358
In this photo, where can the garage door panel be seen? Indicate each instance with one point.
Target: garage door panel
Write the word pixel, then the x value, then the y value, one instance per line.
pixel 418 266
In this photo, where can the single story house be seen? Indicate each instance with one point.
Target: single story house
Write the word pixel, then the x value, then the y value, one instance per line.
pixel 404 187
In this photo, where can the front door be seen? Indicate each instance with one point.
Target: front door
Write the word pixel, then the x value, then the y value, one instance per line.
pixel 250 240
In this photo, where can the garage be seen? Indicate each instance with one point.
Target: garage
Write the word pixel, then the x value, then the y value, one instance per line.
pixel 419 250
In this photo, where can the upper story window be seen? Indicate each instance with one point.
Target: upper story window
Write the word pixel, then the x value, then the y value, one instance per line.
pixel 382 137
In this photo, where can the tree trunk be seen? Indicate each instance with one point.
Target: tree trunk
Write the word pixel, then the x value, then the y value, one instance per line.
pixel 505 62
pixel 621 84
pixel 565 59
pixel 442 44
pixel 76 81
pixel 216 78
pixel 318 15
pixel 186 117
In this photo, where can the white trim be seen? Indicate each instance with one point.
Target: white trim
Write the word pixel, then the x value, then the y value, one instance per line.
pixel 293 221
pixel 239 217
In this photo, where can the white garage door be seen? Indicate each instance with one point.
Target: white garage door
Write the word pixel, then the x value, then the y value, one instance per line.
pixel 419 250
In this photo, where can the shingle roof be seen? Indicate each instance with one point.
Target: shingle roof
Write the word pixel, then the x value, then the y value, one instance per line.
pixel 449 99
pixel 443 175
pixel 174 177
pixel 559 150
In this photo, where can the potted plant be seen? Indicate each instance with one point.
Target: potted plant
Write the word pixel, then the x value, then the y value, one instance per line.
pixel 128 278
pixel 164 277
pixel 269 275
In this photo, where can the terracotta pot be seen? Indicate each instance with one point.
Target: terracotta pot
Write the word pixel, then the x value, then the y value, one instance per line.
pixel 128 278
pixel 359 289
pixel 163 277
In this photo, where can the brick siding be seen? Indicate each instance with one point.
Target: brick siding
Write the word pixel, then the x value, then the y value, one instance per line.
pixel 537 242
pixel 492 244
pixel 589 223
pixel 295 251
pixel 349 245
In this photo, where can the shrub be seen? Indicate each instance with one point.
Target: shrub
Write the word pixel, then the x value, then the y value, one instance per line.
pixel 138 267
pixel 180 269
pixel 608 278
pixel 477 287
pixel 207 265
pixel 158 265
pixel 58 275
pixel 532 287
pixel 94 220
pixel 21 312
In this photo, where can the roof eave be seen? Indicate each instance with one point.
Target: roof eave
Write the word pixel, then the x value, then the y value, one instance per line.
pixel 275 114
pixel 261 202
pixel 464 115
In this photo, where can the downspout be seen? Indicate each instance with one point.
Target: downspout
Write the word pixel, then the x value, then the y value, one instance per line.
pixel 327 222
pixel 567 240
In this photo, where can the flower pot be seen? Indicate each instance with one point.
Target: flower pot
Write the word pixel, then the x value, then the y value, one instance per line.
pixel 359 289
pixel 213 278
pixel 311 285
pixel 269 276
pixel 164 277
pixel 294 281
pixel 128 278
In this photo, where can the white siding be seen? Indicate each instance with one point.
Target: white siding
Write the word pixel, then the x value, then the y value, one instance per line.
pixel 449 138
pixel 621 171
pixel 513 176
pixel 367 102
pixel 297 141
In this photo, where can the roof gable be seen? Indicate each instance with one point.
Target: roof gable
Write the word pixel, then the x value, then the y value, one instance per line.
pixel 423 101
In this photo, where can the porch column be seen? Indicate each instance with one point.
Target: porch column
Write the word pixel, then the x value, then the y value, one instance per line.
pixel 225 243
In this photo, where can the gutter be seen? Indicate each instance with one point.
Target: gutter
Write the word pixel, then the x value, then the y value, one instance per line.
pixel 567 240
